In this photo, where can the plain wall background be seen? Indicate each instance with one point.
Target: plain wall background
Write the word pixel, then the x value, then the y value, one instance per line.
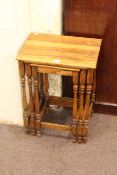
pixel 17 19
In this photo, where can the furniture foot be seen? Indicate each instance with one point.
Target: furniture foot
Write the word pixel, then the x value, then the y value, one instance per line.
pixel 74 130
pixel 38 125
pixel 79 131
pixel 85 131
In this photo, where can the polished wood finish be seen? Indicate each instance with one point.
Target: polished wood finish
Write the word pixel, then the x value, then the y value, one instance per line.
pixel 97 19
pixel 66 102
pixel 55 71
pixel 56 126
pixel 82 71
pixel 60 51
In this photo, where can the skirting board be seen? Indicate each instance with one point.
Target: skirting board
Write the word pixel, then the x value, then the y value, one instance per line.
pixel 105 108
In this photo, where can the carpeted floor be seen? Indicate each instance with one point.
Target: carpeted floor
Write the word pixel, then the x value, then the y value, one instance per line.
pixel 22 154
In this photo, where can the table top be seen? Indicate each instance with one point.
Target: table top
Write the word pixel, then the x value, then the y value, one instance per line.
pixel 60 51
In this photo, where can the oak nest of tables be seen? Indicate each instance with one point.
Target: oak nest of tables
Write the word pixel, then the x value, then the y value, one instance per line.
pixel 43 54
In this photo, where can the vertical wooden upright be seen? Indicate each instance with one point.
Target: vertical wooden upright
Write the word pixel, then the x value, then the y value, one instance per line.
pixel 46 86
pixel 41 87
pixel 31 102
pixel 24 99
pixel 86 112
pixel 75 106
pixel 81 103
pixel 93 92
pixel 36 101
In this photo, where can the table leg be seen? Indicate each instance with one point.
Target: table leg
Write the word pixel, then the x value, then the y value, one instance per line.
pixel 36 101
pixel 46 83
pixel 93 90
pixel 41 87
pixel 81 104
pixel 31 102
pixel 75 106
pixel 25 105
pixel 86 113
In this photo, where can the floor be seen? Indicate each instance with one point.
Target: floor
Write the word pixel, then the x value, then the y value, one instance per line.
pixel 54 153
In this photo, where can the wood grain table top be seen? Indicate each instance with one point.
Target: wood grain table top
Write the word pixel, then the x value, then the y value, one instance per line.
pixel 60 51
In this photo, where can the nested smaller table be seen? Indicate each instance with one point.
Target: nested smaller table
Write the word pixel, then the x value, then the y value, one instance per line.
pixel 42 54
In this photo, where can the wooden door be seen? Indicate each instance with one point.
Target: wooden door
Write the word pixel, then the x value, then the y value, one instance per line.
pixel 96 19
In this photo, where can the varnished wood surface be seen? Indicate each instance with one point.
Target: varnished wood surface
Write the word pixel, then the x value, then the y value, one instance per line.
pixel 55 126
pixel 61 101
pixel 59 50
pixel 71 56
pixel 54 71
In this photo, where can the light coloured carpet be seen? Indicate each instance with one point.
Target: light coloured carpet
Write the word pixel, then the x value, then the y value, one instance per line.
pixel 22 154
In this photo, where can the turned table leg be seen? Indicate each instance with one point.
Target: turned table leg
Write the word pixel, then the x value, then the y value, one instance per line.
pixel 46 88
pixel 81 104
pixel 75 106
pixel 93 91
pixel 36 101
pixel 41 87
pixel 31 103
pixel 25 105
pixel 46 82
pixel 86 113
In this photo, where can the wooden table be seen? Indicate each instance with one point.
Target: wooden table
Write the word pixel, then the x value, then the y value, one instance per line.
pixel 42 54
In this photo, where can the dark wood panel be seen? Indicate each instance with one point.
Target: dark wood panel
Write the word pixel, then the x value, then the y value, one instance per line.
pixel 105 68
pixel 115 33
pixel 105 108
pixel 103 5
pixel 92 23
pixel 96 19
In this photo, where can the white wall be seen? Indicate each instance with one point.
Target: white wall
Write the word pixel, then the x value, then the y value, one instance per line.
pixel 17 19
pixel 46 17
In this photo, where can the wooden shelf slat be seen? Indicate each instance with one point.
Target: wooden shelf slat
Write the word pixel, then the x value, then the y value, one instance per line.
pixel 55 126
